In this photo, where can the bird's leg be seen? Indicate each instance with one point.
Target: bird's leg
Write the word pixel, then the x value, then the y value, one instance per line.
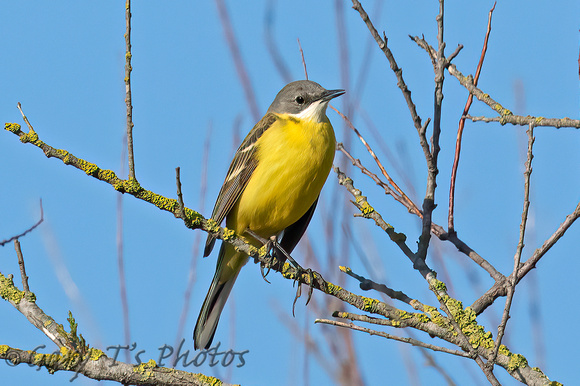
pixel 268 244
pixel 272 243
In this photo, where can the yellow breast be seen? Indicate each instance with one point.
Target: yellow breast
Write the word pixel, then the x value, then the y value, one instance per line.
pixel 294 160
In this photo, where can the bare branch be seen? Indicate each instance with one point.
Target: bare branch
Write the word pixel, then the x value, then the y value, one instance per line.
pixel 128 69
pixel 451 225
pixel 411 341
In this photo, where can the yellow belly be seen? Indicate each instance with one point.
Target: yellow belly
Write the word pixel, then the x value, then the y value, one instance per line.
pixel 294 160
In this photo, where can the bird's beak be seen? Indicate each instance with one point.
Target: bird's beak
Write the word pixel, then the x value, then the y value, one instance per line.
pixel 330 94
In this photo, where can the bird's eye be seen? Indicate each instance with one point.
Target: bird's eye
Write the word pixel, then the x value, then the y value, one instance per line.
pixel 299 100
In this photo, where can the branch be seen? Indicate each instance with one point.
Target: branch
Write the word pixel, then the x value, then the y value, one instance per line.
pixel 500 287
pixel 128 102
pixel 451 225
pixel 528 120
pixel 410 341
pixel 518 255
pixel 96 365
pixel 382 43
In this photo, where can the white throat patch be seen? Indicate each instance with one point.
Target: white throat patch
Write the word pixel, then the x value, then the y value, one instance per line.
pixel 315 112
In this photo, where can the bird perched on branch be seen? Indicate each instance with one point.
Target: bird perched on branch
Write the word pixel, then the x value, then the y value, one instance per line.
pixel 271 188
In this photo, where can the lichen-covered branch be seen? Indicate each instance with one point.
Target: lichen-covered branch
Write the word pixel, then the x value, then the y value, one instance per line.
pixel 96 365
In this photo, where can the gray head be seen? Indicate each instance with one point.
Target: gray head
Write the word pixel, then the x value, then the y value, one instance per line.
pixel 303 97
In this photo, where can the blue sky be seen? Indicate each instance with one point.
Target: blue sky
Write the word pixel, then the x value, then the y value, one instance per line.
pixel 64 62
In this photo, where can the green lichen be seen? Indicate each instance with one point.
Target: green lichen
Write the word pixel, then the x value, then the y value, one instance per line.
pixel 436 317
pixel 12 127
pixel 438 285
pixel 212 226
pixel 8 290
pixel 159 201
pixel 369 304
pixel 365 208
pixel 95 354
pixel 333 289
pixel 229 234
pixel 405 315
pixel 106 175
pixel 145 369
pixel 31 137
pixel 517 361
pixel 209 380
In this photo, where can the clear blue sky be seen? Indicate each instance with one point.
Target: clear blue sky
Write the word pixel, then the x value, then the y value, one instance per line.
pixel 64 62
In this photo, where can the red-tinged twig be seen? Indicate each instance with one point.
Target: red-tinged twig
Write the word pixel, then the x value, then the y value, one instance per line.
pixel 128 69
pixel 302 58
pixel 237 58
pixel 409 203
pixel 451 226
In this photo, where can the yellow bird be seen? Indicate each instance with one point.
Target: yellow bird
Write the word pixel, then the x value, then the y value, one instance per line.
pixel 271 188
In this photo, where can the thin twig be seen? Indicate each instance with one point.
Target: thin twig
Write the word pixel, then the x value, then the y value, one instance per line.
pixel 520 120
pixel 520 247
pixel 382 43
pixel 451 225
pixel 369 212
pixel 21 265
pixel 6 241
pixel 303 60
pixel 500 287
pixel 179 194
pixel 367 284
pixel 411 341
pixel 128 69
pixel 409 203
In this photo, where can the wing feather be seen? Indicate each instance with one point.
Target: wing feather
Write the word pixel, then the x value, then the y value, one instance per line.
pixel 239 173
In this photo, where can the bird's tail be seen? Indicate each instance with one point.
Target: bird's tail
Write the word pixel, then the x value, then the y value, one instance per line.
pixel 215 299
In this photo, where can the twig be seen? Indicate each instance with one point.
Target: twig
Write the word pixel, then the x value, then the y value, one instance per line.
pixel 369 212
pixel 128 69
pixel 518 255
pixel 195 250
pixel 411 341
pixel 179 194
pixel 500 287
pixel 21 265
pixel 237 57
pixel 409 203
pixel 6 241
pixel 303 60
pixel 525 121
pixel 367 284
pixel 382 43
pixel 451 225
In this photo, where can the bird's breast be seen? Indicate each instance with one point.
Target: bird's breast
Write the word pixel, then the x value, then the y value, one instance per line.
pixel 294 159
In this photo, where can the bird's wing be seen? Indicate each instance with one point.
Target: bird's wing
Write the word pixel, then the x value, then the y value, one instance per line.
pixel 239 173
pixel 294 232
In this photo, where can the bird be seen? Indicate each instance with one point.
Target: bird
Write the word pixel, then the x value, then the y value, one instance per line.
pixel 271 188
